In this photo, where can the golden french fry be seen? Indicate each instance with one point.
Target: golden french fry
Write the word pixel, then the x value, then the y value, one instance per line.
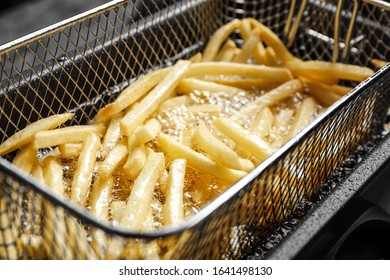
pixel 196 57
pixel 113 159
pixel 246 84
pixel 260 55
pixel 227 51
pixel 263 123
pixel 324 95
pixel 245 28
pixel 246 165
pixel 280 127
pixel 141 195
pixel 37 172
pixel 197 160
pixel 113 134
pixel 245 70
pixel 270 57
pixel 149 249
pixel 100 200
pixel 218 38
pixel 53 173
pixel 175 102
pixel 130 95
pixel 70 150
pixel 144 134
pixel 215 148
pixel 173 207
pixel 186 136
pixel 337 89
pixel 83 175
pixel 302 118
pixel 151 101
pixel 25 159
pixel 26 135
pixel 378 63
pixel 117 211
pixel 162 181
pixel 272 40
pixel 270 98
pixel 244 138
pixel 249 47
pixel 148 131
pixel 70 134
pixel 318 79
pixel 134 163
pixel 204 108
pixel 318 69
pixel 54 219
pixel 190 85
pixel 229 55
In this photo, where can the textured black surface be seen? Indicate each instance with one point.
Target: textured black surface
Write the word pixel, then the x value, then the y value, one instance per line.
pixel 311 236
pixel 19 18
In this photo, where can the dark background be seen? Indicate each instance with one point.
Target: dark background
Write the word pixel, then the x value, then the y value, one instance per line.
pixel 21 17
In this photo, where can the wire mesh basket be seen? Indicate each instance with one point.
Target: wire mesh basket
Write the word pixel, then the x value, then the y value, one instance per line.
pixel 81 64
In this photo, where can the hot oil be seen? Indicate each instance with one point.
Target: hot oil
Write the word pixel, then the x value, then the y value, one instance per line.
pixel 200 188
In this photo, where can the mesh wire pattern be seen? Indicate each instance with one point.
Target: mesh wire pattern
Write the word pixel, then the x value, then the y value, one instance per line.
pixel 82 64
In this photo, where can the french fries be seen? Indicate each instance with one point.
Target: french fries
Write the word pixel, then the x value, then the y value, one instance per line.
pixel 272 40
pixel 189 85
pixel 215 148
pixel 263 123
pixel 245 84
pixel 70 150
pixel 100 200
pixel 197 160
pixel 85 164
pixel 244 138
pixel 26 135
pixel 153 100
pixel 317 69
pixel 55 223
pixel 113 159
pixel 113 134
pixel 173 207
pixel 203 108
pixel 146 133
pixel 135 163
pixel 217 40
pixel 249 47
pixel 130 95
pixel 378 63
pixel 303 117
pixel 25 159
pixel 142 192
pixel 175 102
pixel 227 52
pixel 71 134
pixel 270 98
pixel 244 70
pixel 324 95
pixel 208 120
pixel 117 209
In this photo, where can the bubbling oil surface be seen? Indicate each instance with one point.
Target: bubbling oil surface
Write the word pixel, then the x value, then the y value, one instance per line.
pixel 200 188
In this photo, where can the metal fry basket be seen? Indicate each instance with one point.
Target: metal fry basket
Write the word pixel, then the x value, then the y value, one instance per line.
pixel 82 63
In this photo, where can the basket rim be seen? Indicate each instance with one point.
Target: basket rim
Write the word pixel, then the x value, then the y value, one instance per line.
pixel 205 212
